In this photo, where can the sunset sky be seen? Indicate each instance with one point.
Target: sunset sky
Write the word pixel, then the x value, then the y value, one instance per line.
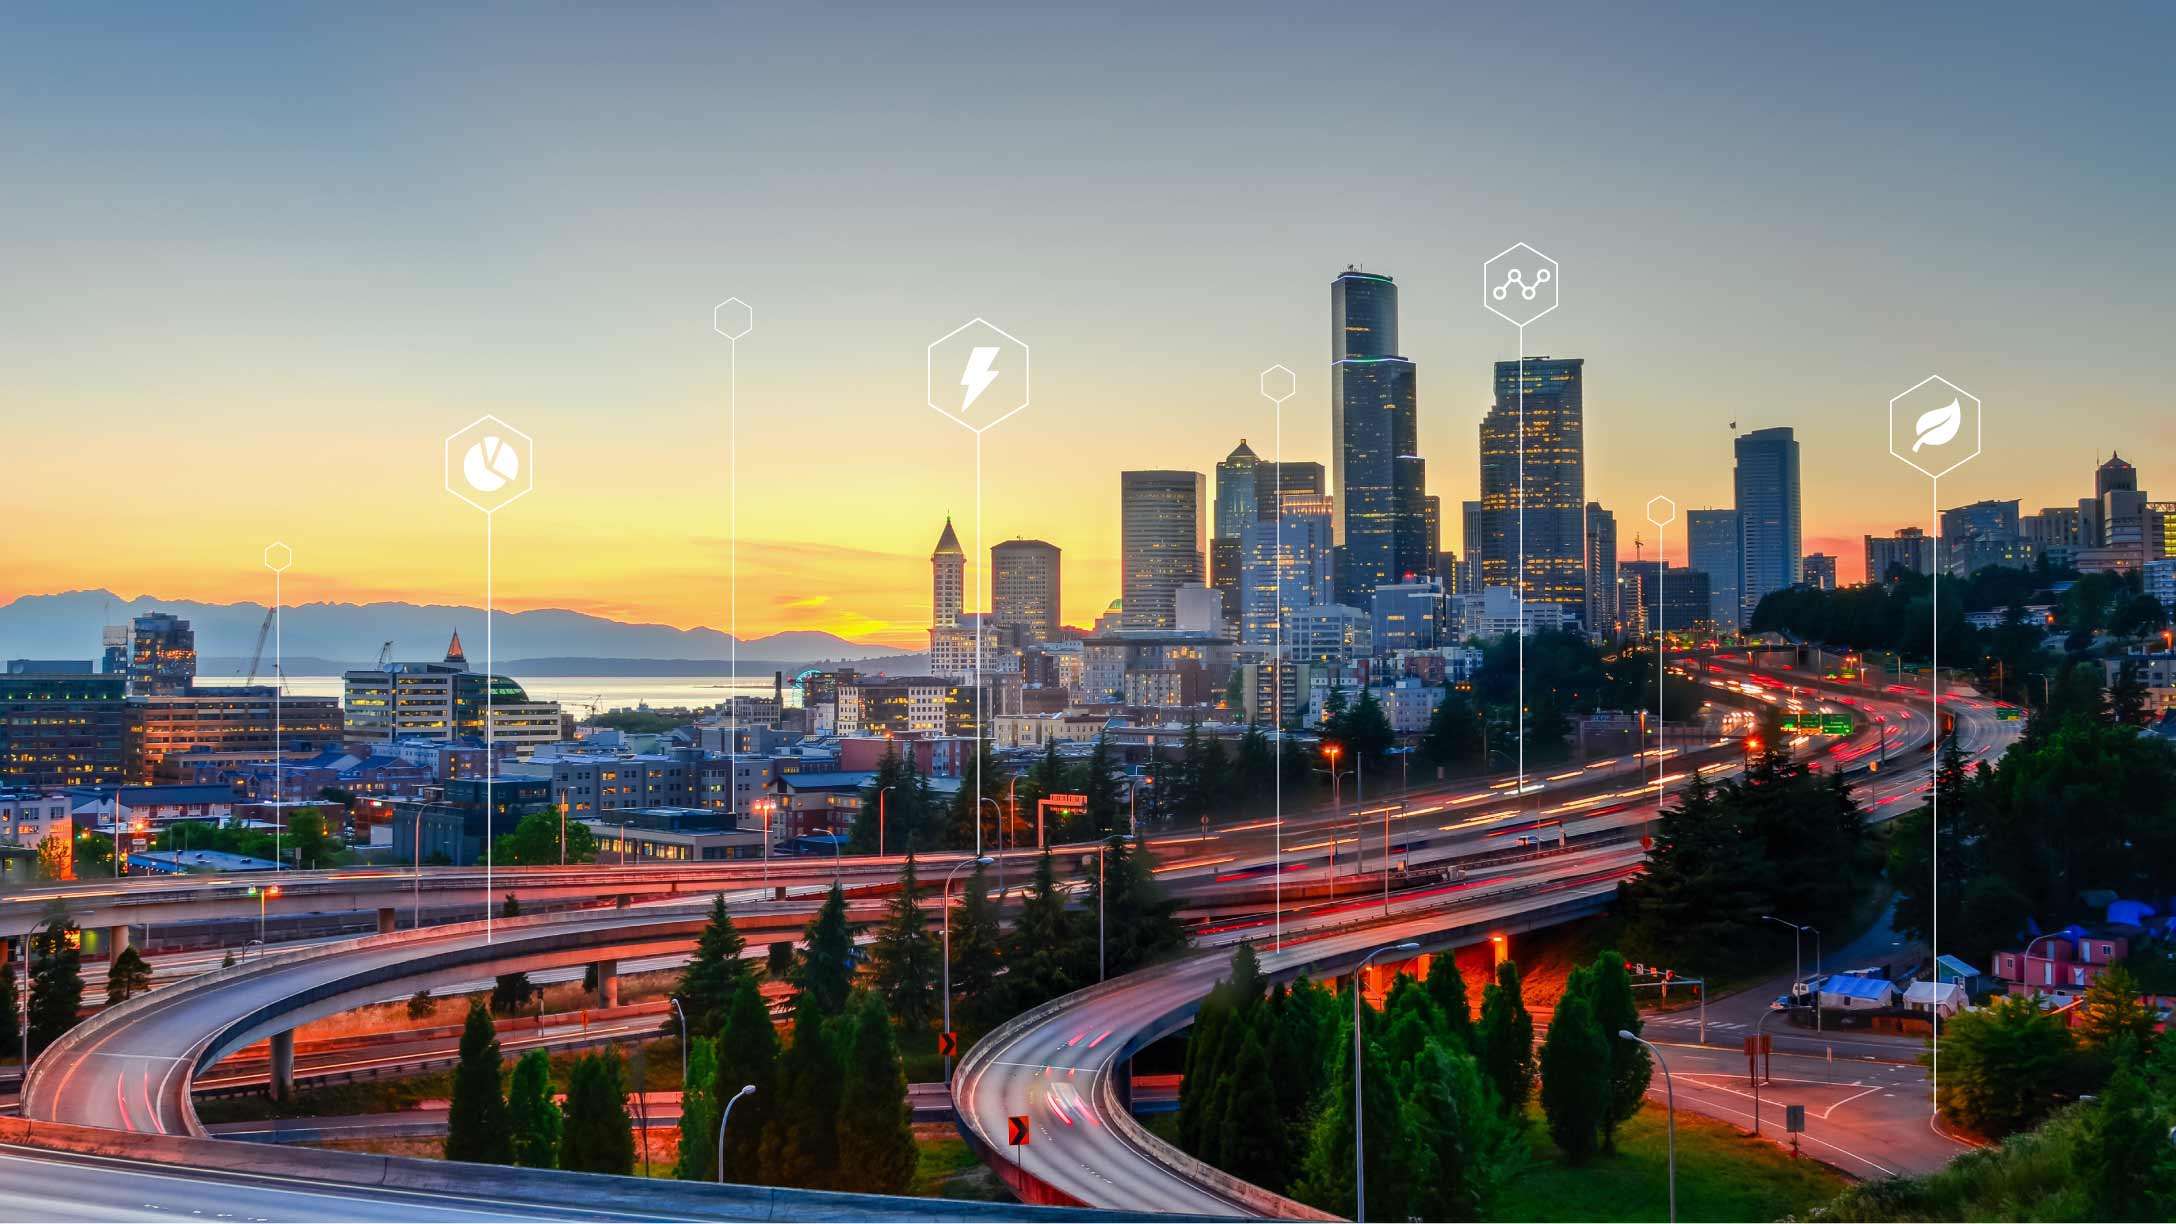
pixel 261 259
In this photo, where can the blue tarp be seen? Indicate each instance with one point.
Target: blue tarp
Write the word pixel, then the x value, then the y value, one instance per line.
pixel 1855 987
pixel 2129 913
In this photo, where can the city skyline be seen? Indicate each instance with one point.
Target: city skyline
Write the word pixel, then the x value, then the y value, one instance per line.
pixel 453 266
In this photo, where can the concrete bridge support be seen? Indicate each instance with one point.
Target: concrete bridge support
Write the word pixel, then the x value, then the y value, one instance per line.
pixel 385 920
pixel 608 983
pixel 283 1065
pixel 116 940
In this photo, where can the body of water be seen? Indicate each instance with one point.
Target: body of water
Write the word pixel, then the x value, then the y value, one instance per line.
pixel 601 693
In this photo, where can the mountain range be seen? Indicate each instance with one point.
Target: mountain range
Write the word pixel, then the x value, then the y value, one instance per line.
pixel 69 626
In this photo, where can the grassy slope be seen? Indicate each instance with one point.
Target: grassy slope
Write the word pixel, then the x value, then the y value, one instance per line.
pixel 1720 1176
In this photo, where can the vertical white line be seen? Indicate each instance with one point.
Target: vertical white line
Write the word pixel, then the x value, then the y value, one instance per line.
pixel 1934 792
pixel 732 562
pixel 1662 568
pixel 982 598
pixel 1519 626
pixel 279 745
pixel 1278 668
pixel 491 764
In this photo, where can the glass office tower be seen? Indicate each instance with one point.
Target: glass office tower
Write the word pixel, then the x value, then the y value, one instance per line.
pixel 1382 528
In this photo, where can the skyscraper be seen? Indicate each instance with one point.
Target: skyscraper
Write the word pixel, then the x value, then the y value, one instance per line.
pixel 1280 580
pixel 1714 540
pixel 1555 483
pixel 1820 571
pixel 1767 485
pixel 1601 612
pixel 1162 527
pixel 1238 490
pixel 1374 440
pixel 1024 587
pixel 161 655
pixel 1272 480
pixel 948 579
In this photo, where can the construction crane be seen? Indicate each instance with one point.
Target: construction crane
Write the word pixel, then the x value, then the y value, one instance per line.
pixel 385 656
pixel 256 656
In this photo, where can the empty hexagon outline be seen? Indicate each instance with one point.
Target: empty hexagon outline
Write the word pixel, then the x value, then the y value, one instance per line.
pixel 732 318
pixel 1661 511
pixel 1968 405
pixel 512 486
pixel 1279 383
pixel 1505 289
pixel 930 364
pixel 277 556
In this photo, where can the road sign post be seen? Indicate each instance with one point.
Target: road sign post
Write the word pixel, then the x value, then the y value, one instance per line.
pixel 1794 1123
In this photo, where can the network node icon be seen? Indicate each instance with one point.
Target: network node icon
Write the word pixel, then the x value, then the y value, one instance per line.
pixel 1279 384
pixel 1520 284
pixel 1661 511
pixel 978 375
pixel 489 464
pixel 277 556
pixel 1935 427
pixel 732 318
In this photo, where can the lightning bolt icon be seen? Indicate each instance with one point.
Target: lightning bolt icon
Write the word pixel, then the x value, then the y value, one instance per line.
pixel 978 375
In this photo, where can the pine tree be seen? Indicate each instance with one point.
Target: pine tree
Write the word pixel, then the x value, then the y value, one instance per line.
pixel 824 974
pixel 747 1055
pixel 1104 812
pixel 597 1136
pixel 2125 1160
pixel 476 1120
pixel 967 810
pixel 978 957
pixel 129 975
pixel 2109 1011
pixel 877 1152
pixel 1251 1147
pixel 532 1116
pixel 1464 1146
pixel 1575 1078
pixel 801 1142
pixel 1139 922
pixel 11 1038
pixel 713 973
pixel 1041 949
pixel 906 957
pixel 512 991
pixel 1253 774
pixel 1505 1038
pixel 1452 738
pixel 1447 986
pixel 1326 1172
pixel 698 1158
pixel 56 984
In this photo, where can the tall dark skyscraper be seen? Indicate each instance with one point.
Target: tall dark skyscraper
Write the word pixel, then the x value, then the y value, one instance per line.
pixel 1767 483
pixel 1601 613
pixel 1382 530
pixel 1273 480
pixel 1238 488
pixel 1555 484
pixel 1714 544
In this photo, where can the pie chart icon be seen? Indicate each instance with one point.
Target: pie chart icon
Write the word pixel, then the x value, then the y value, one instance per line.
pixel 490 465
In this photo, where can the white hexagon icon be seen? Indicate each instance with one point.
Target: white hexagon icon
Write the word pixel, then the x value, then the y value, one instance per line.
pixel 277 557
pixel 489 464
pixel 1279 383
pixel 1661 511
pixel 1520 283
pixel 732 318
pixel 978 375
pixel 1935 426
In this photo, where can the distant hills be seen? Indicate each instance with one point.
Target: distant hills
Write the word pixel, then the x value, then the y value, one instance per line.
pixel 328 637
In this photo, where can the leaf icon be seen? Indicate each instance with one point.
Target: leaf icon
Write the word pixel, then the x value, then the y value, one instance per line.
pixel 1939 426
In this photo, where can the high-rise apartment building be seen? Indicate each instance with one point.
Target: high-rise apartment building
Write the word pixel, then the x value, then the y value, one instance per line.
pixel 1547 492
pixel 1910 550
pixel 63 729
pixel 1024 587
pixel 1287 567
pixel 1601 577
pixel 1714 544
pixel 1374 441
pixel 1820 571
pixel 1982 534
pixel 161 654
pixel 1163 524
pixel 1685 598
pixel 1768 497
pixel 948 579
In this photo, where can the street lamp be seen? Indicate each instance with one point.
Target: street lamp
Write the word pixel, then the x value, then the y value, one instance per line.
pixel 262 895
pixel 1359 1150
pixel 675 1001
pixel 981 861
pixel 1798 968
pixel 1669 1091
pixel 995 806
pixel 723 1118
pixel 880 818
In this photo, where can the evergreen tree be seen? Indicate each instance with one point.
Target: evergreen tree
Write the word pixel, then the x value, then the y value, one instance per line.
pixel 698 1157
pixel 801 1142
pixel 11 1038
pixel 1366 734
pixel 978 958
pixel 967 810
pixel 56 984
pixel 1139 922
pixel 1326 1173
pixel 512 991
pixel 1447 986
pixel 1609 993
pixel 896 804
pixel 532 1116
pixel 2109 1012
pixel 747 1053
pixel 476 1120
pixel 877 1152
pixel 906 957
pixel 129 975
pixel 597 1136
pixel 1304 1019
pixel 713 973
pixel 2003 1064
pixel 1452 738
pixel 1505 1037
pixel 1254 772
pixel 2125 1162
pixel 824 974
pixel 1575 1083
pixel 1042 950
pixel 1105 811
pixel 1464 1147
pixel 1251 1147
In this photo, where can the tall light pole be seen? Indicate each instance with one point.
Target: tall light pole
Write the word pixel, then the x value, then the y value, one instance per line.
pixel 724 1117
pixel 1798 966
pixel 262 894
pixel 675 1000
pixel 981 861
pixel 1359 1133
pixel 1669 1092
pixel 995 806
pixel 880 818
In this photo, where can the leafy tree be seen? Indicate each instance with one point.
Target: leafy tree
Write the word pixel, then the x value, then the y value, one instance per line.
pixel 306 843
pixel 801 1142
pixel 1575 1087
pixel 11 1039
pixel 778 960
pixel 698 1158
pixel 1505 1037
pixel 2003 1064
pixel 708 981
pixel 877 1152
pixel 129 975
pixel 906 957
pixel 476 1120
pixel 421 1006
pixel 54 860
pixel 535 842
pixel 2126 1162
pixel 596 1136
pixel 532 1116
pixel 978 960
pixel 56 983
pixel 747 1051
pixel 2110 1011
pixel 824 974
